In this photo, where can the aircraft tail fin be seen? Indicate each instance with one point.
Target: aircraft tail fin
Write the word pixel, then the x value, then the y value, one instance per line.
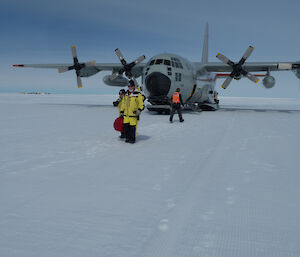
pixel 205 46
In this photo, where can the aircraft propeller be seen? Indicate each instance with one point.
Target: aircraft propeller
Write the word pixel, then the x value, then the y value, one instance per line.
pixel 126 67
pixel 237 68
pixel 77 66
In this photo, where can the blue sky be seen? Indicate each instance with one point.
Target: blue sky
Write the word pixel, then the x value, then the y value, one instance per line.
pixel 44 31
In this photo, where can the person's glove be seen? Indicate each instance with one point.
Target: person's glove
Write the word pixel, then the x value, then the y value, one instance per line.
pixel 116 103
pixel 137 112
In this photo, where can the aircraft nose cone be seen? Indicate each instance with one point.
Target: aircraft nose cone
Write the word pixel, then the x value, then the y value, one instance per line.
pixel 157 84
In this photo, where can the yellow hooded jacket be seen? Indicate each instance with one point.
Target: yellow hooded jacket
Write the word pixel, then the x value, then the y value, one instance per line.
pixel 131 104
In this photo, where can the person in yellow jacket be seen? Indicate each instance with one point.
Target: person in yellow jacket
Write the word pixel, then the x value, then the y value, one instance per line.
pixel 119 103
pixel 131 108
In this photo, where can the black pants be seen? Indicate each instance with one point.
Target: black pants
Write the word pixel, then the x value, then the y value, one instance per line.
pixel 129 132
pixel 132 133
pixel 176 107
pixel 126 130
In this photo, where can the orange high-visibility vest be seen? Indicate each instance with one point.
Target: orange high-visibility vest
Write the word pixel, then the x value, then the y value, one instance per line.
pixel 175 98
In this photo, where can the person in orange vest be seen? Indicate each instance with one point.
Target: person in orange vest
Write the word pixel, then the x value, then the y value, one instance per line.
pixel 216 98
pixel 176 102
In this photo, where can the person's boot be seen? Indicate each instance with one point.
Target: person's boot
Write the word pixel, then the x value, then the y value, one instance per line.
pixel 180 118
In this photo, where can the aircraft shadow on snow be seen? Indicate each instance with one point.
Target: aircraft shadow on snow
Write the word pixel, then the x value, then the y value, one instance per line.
pixel 290 111
pixel 81 105
pixel 222 108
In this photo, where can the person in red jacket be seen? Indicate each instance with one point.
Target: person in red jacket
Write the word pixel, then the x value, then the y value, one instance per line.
pixel 176 102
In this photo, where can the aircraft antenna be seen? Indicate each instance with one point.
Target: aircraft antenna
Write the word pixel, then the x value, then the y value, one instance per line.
pixel 205 46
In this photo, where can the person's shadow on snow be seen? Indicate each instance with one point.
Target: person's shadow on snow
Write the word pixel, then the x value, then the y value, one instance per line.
pixel 142 137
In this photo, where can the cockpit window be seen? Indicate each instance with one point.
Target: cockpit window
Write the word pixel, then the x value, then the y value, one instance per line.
pixel 176 63
pixel 162 61
pixel 167 62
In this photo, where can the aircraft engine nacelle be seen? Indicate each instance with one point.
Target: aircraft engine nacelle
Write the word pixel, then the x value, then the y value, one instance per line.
pixel 119 81
pixel 297 73
pixel 268 82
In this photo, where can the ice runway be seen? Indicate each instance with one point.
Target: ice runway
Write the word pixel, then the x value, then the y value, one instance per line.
pixel 224 183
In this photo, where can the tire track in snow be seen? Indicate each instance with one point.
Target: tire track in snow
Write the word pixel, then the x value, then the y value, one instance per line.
pixel 171 227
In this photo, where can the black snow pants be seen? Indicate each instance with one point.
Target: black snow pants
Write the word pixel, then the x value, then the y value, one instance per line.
pixel 176 107
pixel 130 132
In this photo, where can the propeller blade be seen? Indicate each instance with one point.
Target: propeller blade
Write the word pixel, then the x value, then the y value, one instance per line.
pixel 246 55
pixel 120 55
pixel 224 59
pixel 91 63
pixel 74 52
pixel 252 77
pixel 140 59
pixel 248 52
pixel 79 83
pixel 135 82
pixel 227 82
pixel 63 69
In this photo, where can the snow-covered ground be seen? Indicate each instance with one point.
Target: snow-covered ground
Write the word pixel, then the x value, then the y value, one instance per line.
pixel 224 183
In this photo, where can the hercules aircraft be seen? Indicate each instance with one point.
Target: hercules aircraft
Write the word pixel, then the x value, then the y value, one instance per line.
pixel 163 73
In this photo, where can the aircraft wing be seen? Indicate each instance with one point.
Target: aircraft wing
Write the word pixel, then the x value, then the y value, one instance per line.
pixel 249 66
pixel 137 70
pixel 88 70
pixel 47 66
